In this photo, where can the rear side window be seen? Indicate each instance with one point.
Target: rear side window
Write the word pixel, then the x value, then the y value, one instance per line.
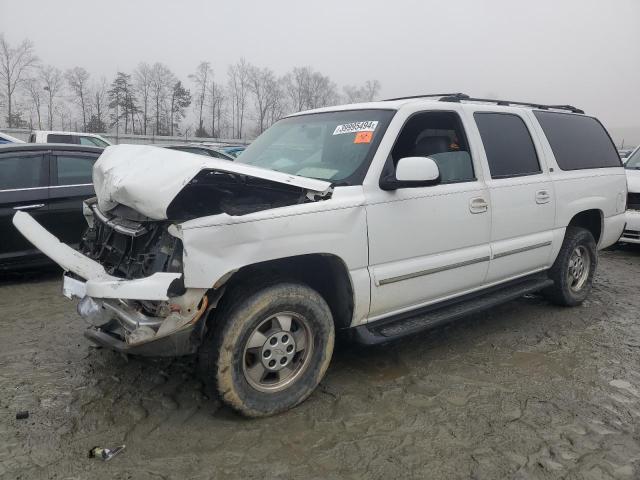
pixel 74 170
pixel 578 142
pixel 55 138
pixel 21 172
pixel 508 145
pixel 93 141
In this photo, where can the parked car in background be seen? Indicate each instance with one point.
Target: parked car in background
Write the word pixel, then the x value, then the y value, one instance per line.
pixel 631 232
pixel 6 138
pixel 624 153
pixel 379 219
pixel 234 150
pixel 49 136
pixel 50 182
pixel 200 150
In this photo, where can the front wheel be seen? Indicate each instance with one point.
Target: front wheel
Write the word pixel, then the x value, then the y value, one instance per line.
pixel 573 271
pixel 267 350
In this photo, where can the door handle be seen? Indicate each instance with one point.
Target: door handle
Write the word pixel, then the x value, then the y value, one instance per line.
pixel 478 205
pixel 34 206
pixel 542 196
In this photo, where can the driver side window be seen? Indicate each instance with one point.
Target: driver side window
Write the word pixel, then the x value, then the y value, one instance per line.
pixel 439 136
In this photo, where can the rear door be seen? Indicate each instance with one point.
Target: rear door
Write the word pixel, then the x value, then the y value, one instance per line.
pixel 23 186
pixel 71 183
pixel 522 196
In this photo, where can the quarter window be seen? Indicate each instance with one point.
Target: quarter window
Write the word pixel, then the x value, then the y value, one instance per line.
pixel 74 170
pixel 507 144
pixel 21 172
pixel 56 138
pixel 577 141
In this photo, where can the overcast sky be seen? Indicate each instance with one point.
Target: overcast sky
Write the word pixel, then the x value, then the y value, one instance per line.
pixel 580 52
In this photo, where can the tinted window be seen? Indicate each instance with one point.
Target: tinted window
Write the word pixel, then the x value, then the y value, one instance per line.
pixel 439 136
pixel 93 141
pixel 21 172
pixel 55 138
pixel 577 141
pixel 73 170
pixel 508 145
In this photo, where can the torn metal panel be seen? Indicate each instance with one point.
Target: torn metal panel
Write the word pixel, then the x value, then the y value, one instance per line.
pixel 148 179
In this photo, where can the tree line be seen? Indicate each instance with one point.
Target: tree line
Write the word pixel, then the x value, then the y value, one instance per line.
pixel 152 100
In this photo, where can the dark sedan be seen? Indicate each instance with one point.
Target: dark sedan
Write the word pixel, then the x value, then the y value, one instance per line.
pixel 49 181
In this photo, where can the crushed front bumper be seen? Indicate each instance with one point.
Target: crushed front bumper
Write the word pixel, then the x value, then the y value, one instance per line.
pixel 110 304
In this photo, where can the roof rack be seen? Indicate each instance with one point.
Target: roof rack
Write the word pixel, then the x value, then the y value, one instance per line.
pixel 458 97
pixel 461 96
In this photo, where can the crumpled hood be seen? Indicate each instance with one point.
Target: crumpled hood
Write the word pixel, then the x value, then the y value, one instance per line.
pixel 633 180
pixel 148 178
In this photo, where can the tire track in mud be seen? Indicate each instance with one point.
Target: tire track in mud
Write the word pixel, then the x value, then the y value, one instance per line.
pixel 527 390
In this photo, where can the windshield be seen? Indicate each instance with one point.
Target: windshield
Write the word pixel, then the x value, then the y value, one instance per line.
pixel 333 146
pixel 634 160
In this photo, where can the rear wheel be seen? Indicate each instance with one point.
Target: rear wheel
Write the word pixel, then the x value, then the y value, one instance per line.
pixel 573 270
pixel 268 349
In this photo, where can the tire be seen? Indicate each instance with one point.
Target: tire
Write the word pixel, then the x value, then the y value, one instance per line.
pixel 237 355
pixel 573 281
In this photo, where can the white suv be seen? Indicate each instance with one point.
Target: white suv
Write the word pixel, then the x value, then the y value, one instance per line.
pixel 631 232
pixel 50 136
pixel 381 219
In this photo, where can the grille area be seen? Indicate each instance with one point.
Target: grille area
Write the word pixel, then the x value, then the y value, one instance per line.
pixel 129 249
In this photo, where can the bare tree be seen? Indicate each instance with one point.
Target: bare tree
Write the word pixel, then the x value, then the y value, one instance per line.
pixel 296 84
pixel 201 79
pixel 180 99
pixel 98 106
pixel 33 88
pixel 162 79
pixel 77 78
pixel 366 93
pixel 238 88
pixel 264 87
pixel 142 80
pixel 51 79
pixel 216 98
pixel 14 62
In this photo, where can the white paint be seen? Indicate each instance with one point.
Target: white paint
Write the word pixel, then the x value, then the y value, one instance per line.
pixel 402 249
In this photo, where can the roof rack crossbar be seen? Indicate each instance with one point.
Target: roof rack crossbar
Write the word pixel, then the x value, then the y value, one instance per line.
pixel 427 95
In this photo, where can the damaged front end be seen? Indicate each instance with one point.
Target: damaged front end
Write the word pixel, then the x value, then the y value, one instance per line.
pixel 133 248
pixel 129 273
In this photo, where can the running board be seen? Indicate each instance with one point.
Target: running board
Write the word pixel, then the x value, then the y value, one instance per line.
pixel 412 322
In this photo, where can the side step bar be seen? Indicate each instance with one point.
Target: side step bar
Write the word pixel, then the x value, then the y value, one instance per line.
pixel 434 315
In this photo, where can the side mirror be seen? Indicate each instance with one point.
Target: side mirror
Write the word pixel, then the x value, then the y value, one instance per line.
pixel 412 172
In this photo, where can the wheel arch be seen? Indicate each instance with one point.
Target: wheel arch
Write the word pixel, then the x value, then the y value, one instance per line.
pixel 326 273
pixel 591 220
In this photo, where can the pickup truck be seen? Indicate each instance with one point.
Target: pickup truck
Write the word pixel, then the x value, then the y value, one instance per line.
pixel 380 219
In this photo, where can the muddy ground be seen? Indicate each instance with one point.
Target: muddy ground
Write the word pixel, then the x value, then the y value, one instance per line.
pixel 527 390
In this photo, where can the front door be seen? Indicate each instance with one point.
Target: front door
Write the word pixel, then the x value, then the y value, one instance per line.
pixel 23 187
pixel 429 243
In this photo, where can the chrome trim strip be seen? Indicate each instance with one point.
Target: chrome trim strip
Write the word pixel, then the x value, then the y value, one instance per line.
pixel 48 186
pixel 430 271
pixel 522 249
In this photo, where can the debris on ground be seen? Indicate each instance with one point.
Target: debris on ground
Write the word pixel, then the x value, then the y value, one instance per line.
pixel 105 454
pixel 22 414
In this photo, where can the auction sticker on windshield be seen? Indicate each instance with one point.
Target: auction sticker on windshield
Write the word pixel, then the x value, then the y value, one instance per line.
pixel 354 127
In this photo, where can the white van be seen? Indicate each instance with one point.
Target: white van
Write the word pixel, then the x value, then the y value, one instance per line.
pixel 49 136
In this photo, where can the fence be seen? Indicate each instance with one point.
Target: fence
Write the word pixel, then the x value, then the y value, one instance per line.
pixel 23 134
